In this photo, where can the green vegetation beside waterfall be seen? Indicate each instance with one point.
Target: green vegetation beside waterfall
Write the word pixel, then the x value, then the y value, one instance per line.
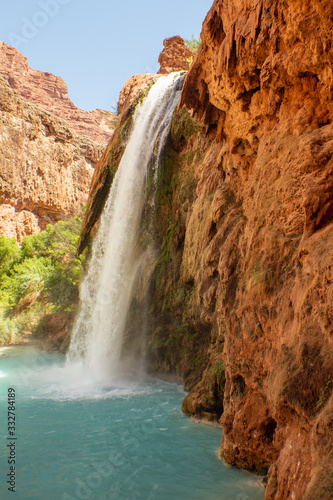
pixel 39 281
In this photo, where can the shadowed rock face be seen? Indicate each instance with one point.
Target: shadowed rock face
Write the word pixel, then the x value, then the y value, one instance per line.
pixel 50 92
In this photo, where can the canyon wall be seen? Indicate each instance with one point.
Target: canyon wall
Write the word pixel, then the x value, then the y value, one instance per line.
pixel 241 303
pixel 243 300
pixel 45 169
pixel 48 147
pixel 50 93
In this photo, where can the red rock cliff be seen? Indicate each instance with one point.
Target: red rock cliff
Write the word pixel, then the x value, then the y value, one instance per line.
pixel 48 147
pixel 50 92
pixel 258 235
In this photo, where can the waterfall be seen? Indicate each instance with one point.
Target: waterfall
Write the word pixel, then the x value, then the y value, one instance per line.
pixel 106 290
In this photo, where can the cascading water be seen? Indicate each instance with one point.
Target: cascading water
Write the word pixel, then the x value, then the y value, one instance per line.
pixel 106 291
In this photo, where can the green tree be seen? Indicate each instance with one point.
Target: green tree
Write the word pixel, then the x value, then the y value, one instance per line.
pixel 40 278
pixel 9 253
pixel 193 43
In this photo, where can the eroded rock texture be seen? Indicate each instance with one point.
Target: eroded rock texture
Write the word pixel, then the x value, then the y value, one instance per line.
pixel 175 56
pixel 257 237
pixel 45 168
pixel 50 92
pixel 48 147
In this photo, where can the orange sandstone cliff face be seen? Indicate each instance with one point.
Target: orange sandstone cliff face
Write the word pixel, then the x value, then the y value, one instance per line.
pixel 256 239
pixel 45 169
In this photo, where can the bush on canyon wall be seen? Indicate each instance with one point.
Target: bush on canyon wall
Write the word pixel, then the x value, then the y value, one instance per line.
pixel 38 279
pixel 193 43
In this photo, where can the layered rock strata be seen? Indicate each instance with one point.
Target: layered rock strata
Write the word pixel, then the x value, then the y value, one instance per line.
pixel 257 237
pixel 50 92
pixel 45 168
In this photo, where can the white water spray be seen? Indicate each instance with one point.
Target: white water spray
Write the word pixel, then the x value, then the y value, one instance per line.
pixel 106 291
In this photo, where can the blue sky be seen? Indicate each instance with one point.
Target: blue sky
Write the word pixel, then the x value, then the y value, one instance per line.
pixel 97 45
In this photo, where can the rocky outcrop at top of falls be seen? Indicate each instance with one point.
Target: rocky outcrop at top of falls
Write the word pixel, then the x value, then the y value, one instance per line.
pixel 242 296
pixel 49 148
pixel 175 56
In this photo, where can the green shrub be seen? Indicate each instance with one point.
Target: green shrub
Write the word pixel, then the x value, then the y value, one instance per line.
pixel 193 43
pixel 9 253
pixel 29 275
pixel 40 278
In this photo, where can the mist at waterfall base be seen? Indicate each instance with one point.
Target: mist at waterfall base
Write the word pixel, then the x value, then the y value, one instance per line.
pixel 85 428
